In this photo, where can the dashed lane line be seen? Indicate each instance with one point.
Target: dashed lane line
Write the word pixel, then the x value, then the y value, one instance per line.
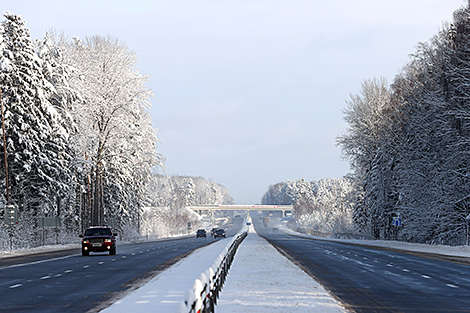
pixel 16 286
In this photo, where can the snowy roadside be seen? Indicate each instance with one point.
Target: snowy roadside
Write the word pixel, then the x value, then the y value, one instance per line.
pixel 262 280
pixel 52 248
pixel 41 249
pixel 164 292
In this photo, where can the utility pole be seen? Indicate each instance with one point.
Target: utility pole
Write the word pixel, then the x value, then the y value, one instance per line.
pixel 5 149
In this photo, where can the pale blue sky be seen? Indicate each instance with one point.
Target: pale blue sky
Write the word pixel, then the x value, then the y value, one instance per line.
pixel 250 93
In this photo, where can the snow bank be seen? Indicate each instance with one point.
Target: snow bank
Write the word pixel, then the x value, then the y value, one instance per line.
pixel 264 281
pixel 166 291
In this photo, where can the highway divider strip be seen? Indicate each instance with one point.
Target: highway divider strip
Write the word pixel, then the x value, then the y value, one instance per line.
pixel 202 297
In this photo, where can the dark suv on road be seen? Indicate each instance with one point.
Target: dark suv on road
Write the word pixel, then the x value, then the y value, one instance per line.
pixel 98 239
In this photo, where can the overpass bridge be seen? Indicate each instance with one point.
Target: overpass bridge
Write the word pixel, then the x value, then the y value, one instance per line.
pixel 212 208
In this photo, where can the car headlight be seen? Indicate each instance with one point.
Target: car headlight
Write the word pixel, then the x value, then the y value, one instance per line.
pixel 86 241
pixel 107 240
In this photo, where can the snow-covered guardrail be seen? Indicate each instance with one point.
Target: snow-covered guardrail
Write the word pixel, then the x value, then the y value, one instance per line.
pixel 202 298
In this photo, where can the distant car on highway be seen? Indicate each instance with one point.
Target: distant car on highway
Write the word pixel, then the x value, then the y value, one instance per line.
pixel 201 233
pixel 98 239
pixel 219 233
pixel 213 231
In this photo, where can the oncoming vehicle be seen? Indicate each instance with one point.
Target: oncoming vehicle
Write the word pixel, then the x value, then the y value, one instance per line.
pixel 201 233
pixel 219 233
pixel 213 231
pixel 98 239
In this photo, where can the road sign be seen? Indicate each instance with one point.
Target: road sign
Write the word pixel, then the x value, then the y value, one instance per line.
pixel 396 221
pixel 53 221
pixel 11 215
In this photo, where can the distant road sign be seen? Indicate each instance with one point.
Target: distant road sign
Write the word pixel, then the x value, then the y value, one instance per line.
pixel 53 221
pixel 11 215
pixel 396 221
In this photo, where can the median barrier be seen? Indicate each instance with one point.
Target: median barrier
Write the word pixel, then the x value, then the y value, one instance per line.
pixel 202 297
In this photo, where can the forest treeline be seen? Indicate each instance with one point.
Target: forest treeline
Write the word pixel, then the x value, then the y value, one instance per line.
pixel 77 140
pixel 166 213
pixel 408 143
pixel 323 207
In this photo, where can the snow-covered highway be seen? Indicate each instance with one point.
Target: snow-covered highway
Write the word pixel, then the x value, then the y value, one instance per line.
pixel 72 283
pixel 367 279
pixel 354 278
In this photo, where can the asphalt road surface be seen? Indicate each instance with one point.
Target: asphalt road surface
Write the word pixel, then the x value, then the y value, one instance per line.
pixel 376 280
pixel 64 281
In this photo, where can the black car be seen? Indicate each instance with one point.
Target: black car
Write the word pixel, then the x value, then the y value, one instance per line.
pixel 201 233
pixel 213 231
pixel 98 239
pixel 219 233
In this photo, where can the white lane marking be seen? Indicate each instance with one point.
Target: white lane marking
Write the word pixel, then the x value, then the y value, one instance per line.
pixel 425 276
pixel 113 260
pixel 86 266
pixel 123 257
pixel 405 270
pixel 133 253
pixel 38 262
pixel 452 286
pixel 100 263
pixel 68 271
pixel 57 275
pixel 390 265
pixel 46 277
pixel 16 286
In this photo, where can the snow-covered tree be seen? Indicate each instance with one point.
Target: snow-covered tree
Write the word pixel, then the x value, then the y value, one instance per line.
pixel 414 163
pixel 180 191
pixel 35 132
pixel 323 207
pixel 115 140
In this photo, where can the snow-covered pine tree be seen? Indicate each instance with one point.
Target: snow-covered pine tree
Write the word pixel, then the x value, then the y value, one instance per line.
pixel 38 170
pixel 59 73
